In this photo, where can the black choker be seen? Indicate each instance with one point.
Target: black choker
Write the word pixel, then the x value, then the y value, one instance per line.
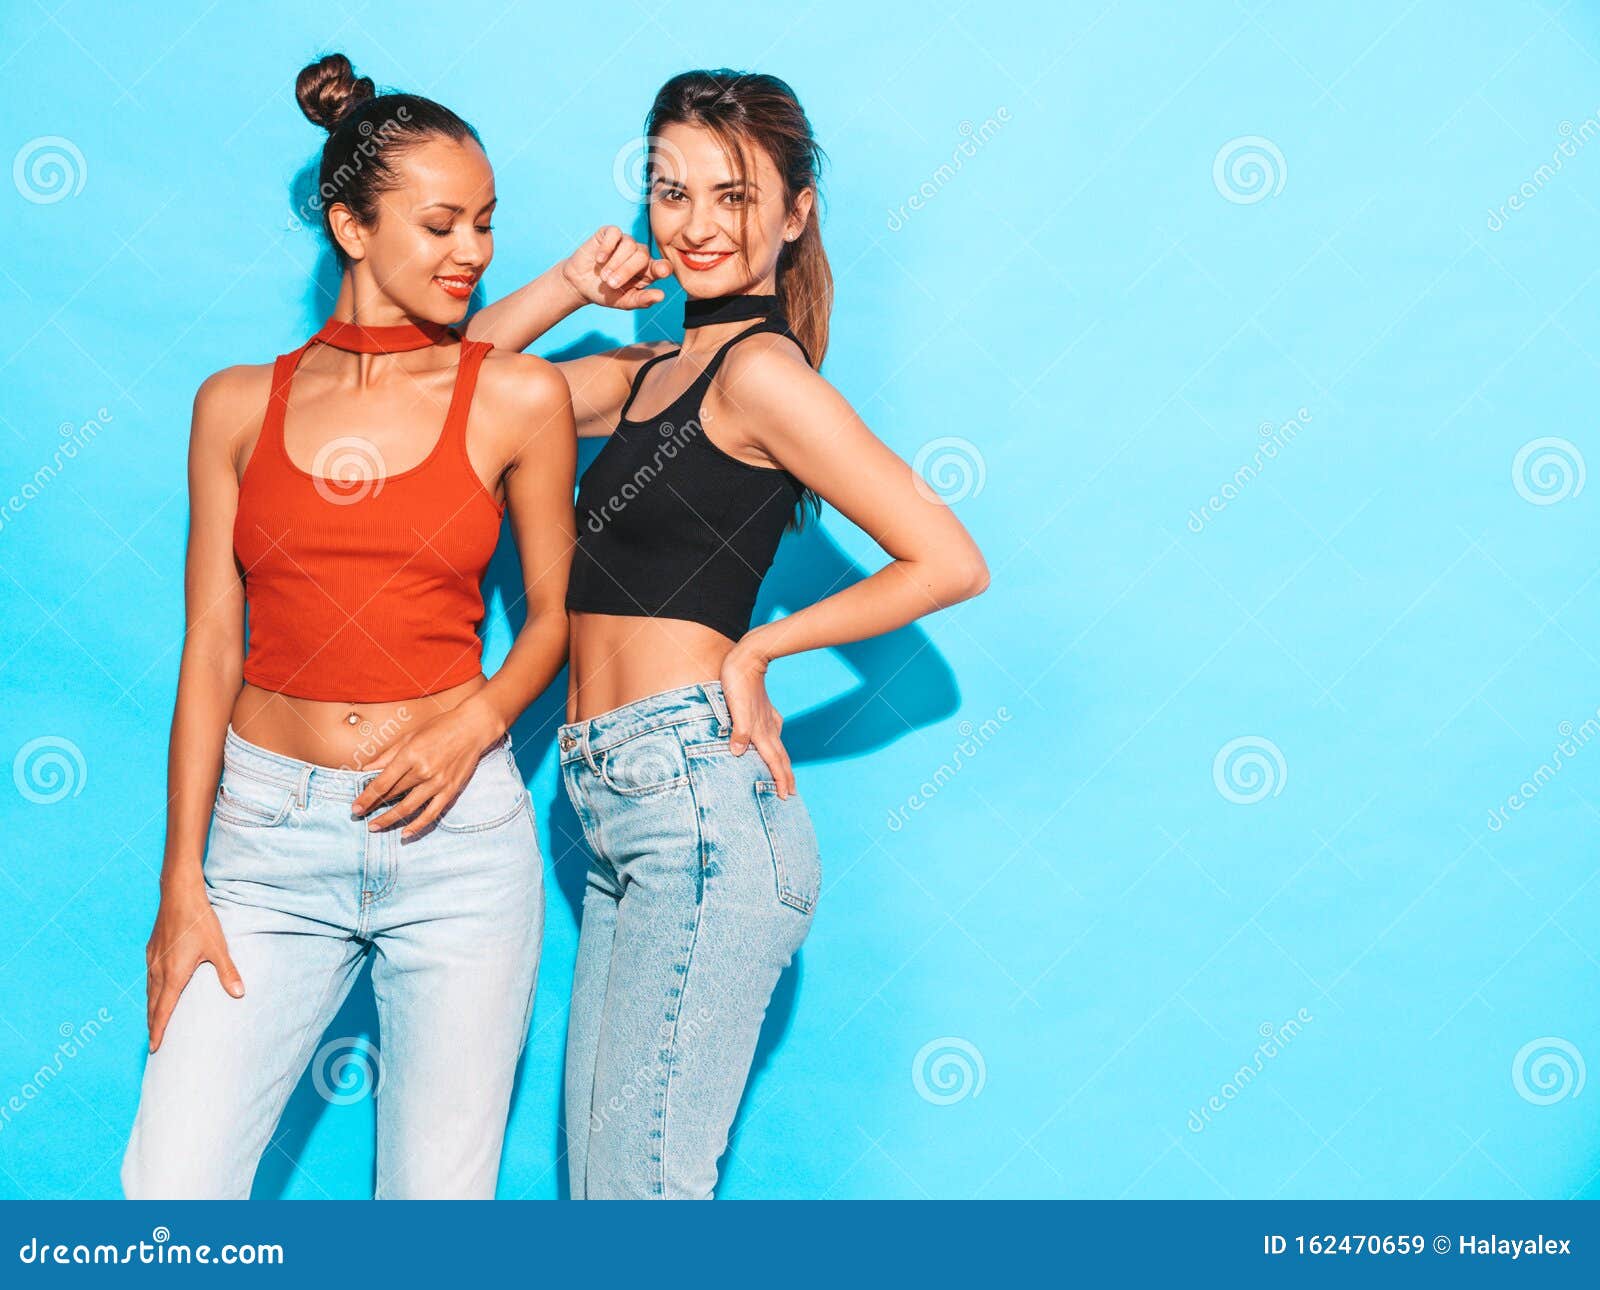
pixel 726 309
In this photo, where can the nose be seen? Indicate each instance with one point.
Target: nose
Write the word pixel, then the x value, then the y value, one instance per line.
pixel 702 226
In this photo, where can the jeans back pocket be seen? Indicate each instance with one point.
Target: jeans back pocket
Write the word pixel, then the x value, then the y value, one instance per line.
pixel 795 859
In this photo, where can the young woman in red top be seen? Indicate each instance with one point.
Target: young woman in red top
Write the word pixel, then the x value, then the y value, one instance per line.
pixel 350 495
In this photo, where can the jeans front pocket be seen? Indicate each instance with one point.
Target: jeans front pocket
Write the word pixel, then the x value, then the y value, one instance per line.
pixel 495 795
pixel 645 764
pixel 795 859
pixel 251 803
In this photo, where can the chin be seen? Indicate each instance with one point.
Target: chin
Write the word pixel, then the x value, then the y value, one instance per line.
pixel 706 286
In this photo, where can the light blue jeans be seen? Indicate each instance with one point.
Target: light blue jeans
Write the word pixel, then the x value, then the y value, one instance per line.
pixel 453 919
pixel 700 890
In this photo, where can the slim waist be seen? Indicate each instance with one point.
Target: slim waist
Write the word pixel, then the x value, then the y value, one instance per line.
pixel 242 757
pixel 654 711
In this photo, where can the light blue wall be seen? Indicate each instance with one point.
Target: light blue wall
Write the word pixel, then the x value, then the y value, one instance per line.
pixel 1398 617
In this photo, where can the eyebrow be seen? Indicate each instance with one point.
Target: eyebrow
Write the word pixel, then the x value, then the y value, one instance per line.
pixel 453 209
pixel 716 188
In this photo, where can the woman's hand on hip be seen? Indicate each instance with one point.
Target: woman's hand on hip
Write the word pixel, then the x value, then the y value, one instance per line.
pixel 187 934
pixel 613 269
pixel 426 768
pixel 755 720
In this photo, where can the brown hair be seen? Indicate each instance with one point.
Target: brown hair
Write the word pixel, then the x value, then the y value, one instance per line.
pixel 367 134
pixel 752 107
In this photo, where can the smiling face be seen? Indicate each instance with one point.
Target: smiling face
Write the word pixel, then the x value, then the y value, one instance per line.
pixel 432 239
pixel 722 235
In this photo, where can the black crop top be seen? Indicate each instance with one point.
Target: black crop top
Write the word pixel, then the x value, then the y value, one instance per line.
pixel 670 525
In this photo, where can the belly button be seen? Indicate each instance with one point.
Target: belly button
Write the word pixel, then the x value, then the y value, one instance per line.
pixel 353 719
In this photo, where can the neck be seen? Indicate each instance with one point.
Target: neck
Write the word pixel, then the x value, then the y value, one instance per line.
pixel 709 320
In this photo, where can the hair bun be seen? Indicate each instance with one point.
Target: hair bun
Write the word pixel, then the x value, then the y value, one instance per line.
pixel 328 90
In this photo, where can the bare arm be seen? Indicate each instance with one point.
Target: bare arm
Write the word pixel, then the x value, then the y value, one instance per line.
pixel 609 269
pixel 539 501
pixel 805 425
pixel 210 675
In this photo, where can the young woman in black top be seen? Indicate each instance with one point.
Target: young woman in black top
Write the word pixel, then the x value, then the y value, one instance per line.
pixel 705 869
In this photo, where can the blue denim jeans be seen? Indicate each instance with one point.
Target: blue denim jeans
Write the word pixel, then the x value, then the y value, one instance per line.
pixel 700 890
pixel 453 919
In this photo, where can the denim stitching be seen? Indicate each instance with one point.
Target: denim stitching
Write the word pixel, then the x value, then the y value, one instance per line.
pixel 687 962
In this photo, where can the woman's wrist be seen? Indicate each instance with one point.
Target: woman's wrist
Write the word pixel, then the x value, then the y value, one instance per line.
pixel 567 292
pixel 182 879
pixel 484 716
pixel 752 651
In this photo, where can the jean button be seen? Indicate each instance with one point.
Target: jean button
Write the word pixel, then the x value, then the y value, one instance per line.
pixel 568 743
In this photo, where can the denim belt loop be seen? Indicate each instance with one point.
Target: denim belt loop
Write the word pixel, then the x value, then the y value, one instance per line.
pixel 302 792
pixel 588 751
pixel 719 706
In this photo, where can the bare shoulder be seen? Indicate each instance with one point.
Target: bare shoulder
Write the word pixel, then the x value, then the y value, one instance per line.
pixel 231 402
pixel 769 369
pixel 520 383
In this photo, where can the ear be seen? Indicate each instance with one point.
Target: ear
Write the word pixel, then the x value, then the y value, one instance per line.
pixel 347 231
pixel 799 214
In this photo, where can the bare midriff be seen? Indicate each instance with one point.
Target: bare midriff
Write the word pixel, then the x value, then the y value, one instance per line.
pixel 616 659
pixel 343 735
